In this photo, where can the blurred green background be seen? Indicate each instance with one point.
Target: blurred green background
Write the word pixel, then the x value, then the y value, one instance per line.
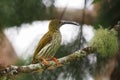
pixel 103 12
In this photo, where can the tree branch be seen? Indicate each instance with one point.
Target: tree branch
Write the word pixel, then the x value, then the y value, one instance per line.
pixel 14 70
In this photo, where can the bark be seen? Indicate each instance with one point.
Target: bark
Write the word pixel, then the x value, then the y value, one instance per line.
pixel 7 53
pixel 115 75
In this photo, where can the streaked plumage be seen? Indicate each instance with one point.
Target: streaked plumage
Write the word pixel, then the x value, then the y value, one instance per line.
pixel 50 42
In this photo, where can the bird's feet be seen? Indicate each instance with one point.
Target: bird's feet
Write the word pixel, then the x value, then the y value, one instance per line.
pixel 52 58
pixel 55 60
pixel 45 61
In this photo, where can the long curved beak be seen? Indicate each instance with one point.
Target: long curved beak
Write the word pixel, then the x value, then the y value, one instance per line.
pixel 69 22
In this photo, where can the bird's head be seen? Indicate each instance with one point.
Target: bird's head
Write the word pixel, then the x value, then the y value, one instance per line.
pixel 55 24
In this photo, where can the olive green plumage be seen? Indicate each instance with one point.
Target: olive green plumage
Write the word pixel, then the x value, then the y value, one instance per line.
pixel 50 42
pixel 105 42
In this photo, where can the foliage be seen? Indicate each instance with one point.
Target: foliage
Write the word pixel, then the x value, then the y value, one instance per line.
pixel 95 1
pixel 105 42
pixel 108 14
pixel 16 12
pixel 3 78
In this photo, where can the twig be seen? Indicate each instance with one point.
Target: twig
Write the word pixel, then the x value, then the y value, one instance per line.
pixel 81 37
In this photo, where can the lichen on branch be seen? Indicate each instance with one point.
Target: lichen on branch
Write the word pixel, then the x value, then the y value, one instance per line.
pixel 105 42
pixel 14 70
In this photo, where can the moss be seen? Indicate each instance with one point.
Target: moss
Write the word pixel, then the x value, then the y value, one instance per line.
pixel 105 42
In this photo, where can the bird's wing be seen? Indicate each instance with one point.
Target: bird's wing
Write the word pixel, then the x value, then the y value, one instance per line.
pixel 44 40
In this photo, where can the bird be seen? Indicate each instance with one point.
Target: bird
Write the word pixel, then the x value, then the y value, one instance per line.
pixel 50 42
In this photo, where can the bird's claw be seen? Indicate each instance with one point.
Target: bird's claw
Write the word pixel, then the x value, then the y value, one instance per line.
pixel 45 61
pixel 55 60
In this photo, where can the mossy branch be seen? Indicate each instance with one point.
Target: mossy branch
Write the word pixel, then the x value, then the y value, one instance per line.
pixel 14 70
